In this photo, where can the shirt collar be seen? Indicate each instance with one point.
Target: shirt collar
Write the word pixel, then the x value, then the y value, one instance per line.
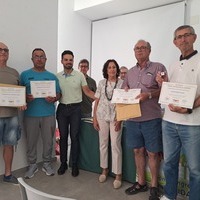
pixel 71 74
pixel 147 64
pixel 189 56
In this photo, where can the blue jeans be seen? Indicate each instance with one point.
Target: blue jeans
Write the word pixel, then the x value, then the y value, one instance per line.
pixel 175 137
pixel 69 121
pixel 10 131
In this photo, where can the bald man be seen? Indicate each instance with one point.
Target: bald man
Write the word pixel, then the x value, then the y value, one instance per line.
pixel 9 124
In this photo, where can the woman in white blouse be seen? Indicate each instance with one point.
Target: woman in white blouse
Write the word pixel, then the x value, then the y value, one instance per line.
pixel 105 122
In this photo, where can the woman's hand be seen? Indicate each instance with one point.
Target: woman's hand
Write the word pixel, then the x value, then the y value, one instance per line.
pixel 96 124
pixel 118 125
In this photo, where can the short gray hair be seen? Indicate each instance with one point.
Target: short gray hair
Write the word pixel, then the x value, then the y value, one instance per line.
pixel 184 27
pixel 148 44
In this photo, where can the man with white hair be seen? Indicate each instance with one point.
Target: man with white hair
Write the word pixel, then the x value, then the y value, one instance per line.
pixel 9 122
pixel 143 134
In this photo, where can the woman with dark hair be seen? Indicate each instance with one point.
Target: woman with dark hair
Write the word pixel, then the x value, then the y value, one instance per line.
pixel 105 122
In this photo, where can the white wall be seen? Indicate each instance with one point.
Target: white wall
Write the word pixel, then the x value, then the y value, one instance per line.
pixel 81 4
pixel 27 25
pixel 193 18
pixel 74 33
pixel 23 27
pixel 114 38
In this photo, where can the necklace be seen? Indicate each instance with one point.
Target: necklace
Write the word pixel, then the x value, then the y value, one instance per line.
pixel 106 93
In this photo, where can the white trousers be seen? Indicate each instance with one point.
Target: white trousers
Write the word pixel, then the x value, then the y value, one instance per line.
pixel 106 129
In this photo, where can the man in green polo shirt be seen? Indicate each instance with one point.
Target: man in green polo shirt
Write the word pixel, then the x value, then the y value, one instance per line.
pixel 68 114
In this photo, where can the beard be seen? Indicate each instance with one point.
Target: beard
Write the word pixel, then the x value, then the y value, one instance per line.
pixel 68 67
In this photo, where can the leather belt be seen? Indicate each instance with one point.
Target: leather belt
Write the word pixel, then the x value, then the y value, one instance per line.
pixel 71 104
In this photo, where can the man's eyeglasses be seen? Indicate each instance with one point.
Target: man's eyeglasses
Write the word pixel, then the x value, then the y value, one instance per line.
pixel 142 48
pixel 83 66
pixel 5 50
pixel 39 57
pixel 186 35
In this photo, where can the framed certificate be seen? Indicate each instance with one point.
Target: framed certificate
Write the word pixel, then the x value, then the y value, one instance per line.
pixel 42 89
pixel 178 94
pixel 12 95
pixel 126 97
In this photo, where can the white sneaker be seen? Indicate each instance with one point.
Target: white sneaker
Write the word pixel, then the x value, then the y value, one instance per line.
pixel 164 198
pixel 32 169
pixel 48 169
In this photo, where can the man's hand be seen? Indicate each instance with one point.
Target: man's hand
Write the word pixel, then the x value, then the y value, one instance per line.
pixel 29 98
pixel 24 107
pixel 178 109
pixel 161 77
pixel 51 99
pixel 143 96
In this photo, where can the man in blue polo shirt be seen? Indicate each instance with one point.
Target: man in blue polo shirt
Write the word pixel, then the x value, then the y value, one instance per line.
pixel 40 115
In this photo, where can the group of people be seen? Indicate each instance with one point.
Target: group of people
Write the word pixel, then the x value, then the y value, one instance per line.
pixel 40 113
pixel 178 130
pixel 147 135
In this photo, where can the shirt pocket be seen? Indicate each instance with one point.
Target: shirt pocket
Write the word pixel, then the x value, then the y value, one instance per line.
pixel 147 80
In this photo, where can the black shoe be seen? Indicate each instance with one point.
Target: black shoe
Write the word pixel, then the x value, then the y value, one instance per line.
pixel 75 171
pixel 62 169
pixel 154 193
pixel 136 188
pixel 10 179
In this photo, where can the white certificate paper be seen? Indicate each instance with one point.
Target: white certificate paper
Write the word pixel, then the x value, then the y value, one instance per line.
pixel 12 95
pixel 42 89
pixel 125 97
pixel 178 94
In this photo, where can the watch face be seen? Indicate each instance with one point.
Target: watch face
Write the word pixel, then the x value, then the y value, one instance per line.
pixel 150 96
pixel 189 111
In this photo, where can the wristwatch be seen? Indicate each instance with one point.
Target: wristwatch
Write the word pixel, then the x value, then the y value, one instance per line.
pixel 150 96
pixel 189 111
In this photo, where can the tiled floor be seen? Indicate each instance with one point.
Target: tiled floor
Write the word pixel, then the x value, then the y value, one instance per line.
pixel 83 187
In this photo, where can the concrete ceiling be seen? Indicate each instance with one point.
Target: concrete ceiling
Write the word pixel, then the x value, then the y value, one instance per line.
pixel 119 7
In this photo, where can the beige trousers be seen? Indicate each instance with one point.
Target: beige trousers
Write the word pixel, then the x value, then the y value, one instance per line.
pixel 106 129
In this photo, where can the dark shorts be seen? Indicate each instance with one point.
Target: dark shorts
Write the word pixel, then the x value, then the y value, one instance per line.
pixel 146 134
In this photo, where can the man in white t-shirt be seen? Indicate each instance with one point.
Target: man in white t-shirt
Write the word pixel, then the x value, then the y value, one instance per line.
pixel 181 126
